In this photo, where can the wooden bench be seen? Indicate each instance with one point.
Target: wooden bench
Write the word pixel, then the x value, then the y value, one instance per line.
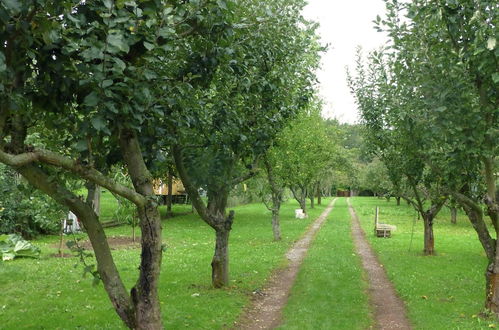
pixel 382 229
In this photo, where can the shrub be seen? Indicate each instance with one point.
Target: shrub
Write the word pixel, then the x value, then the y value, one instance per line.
pixel 24 210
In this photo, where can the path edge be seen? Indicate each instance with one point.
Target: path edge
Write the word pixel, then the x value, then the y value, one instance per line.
pixel 245 319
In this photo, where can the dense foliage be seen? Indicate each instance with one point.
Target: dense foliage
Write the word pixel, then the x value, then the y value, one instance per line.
pixel 24 210
pixel 127 82
pixel 430 104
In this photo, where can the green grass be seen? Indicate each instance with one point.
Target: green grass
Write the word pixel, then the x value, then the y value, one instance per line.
pixel 50 293
pixel 109 205
pixel 329 292
pixel 445 291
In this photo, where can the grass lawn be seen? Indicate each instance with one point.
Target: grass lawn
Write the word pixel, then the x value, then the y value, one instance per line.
pixel 329 292
pixel 50 293
pixel 445 291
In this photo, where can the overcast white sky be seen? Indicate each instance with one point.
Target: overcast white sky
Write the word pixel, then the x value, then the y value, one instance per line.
pixel 345 24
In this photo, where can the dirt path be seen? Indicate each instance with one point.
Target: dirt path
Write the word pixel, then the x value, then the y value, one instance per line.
pixel 389 309
pixel 266 308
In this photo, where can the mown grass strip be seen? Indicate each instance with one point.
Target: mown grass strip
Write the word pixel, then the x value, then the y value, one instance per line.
pixel 329 292
pixel 445 291
pixel 50 292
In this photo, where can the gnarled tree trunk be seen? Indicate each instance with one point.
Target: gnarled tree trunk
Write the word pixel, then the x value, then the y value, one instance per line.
pixel 474 211
pixel 217 203
pixel 492 287
pixel 220 261
pixel 145 292
pixel 276 192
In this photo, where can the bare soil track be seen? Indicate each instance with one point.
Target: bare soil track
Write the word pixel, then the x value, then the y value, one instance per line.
pixel 266 308
pixel 388 308
pixel 115 243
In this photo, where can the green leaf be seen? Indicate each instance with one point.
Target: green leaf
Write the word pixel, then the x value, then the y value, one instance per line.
pixel 495 77
pixel 107 83
pixel 92 53
pixel 118 40
pixel 81 145
pixel 120 4
pixel 108 3
pixel 222 4
pixel 3 66
pixel 148 45
pixel 119 64
pixel 6 256
pixel 491 43
pixel 12 246
pixel 166 32
pixel 91 99
pixel 13 5
pixel 98 123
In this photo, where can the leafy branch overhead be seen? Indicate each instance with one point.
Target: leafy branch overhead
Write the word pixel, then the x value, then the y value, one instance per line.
pixel 125 84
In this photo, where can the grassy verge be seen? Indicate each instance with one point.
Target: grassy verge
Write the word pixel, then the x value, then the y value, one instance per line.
pixel 329 292
pixel 50 293
pixel 445 291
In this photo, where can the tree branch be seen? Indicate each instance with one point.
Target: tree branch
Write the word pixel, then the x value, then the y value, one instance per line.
pixel 468 202
pixel 86 172
pixel 189 186
pixel 105 263
pixel 475 215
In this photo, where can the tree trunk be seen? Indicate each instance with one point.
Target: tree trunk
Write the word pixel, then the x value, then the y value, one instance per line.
pixel 214 215
pixel 492 289
pixel 276 227
pixel 492 279
pixel 145 292
pixel 301 197
pixel 474 211
pixel 319 195
pixel 312 201
pixel 303 204
pixel 217 203
pixel 453 215
pixel 398 201
pixel 276 192
pixel 429 240
pixel 169 198
pixel 93 196
pixel 220 261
